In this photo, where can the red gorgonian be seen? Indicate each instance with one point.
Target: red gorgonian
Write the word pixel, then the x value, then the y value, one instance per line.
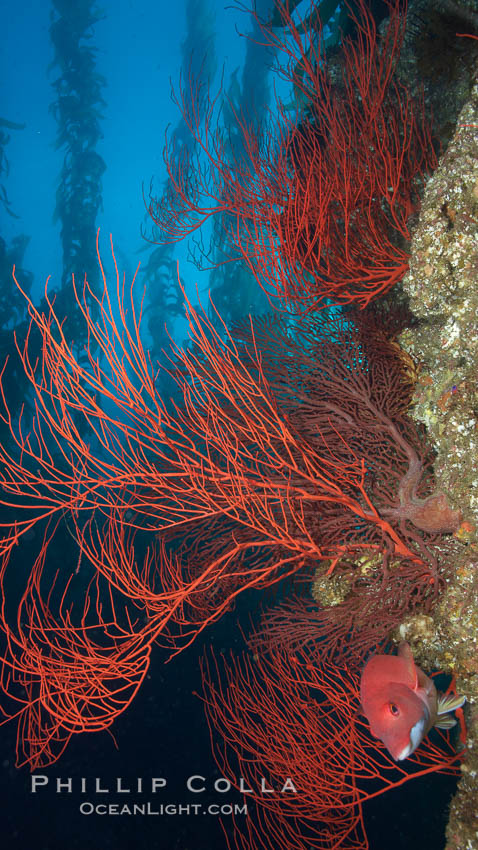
pixel 318 203
pixel 288 445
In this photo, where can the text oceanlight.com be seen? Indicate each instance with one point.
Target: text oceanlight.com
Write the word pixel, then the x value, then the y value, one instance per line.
pixel 171 809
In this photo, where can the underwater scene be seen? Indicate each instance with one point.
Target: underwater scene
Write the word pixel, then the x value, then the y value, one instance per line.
pixel 239 425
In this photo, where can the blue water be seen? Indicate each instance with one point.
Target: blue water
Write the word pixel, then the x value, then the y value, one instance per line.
pixel 139 54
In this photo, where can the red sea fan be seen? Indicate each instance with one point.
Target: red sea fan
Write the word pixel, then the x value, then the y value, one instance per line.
pixel 286 446
pixel 344 385
pixel 319 203
pixel 74 651
pixel 298 435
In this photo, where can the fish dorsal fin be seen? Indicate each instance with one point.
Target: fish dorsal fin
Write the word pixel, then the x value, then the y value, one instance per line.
pixel 449 702
pixel 405 653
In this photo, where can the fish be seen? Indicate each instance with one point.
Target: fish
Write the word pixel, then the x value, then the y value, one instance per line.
pixel 401 703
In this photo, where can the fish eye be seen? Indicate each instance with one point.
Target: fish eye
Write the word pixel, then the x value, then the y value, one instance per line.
pixel 393 709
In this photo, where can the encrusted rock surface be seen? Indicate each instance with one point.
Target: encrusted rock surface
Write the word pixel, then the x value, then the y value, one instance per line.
pixel 443 292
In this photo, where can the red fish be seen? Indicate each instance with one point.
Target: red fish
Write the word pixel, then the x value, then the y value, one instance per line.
pixel 401 702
